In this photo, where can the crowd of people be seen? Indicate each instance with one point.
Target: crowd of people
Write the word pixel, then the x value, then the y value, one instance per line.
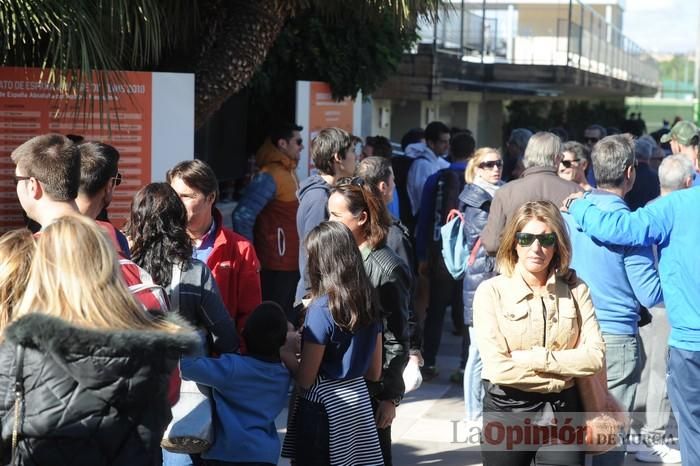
pixel 323 289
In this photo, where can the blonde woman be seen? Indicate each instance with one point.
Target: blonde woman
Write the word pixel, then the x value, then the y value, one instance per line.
pixel 536 330
pixel 483 178
pixel 93 366
pixel 16 252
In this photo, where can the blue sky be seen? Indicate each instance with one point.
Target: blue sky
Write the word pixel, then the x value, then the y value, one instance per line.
pixel 662 25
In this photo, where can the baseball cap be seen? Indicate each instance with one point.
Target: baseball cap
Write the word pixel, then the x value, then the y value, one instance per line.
pixel 683 132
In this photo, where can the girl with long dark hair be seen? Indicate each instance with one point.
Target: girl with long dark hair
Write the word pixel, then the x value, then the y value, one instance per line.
pixel 354 203
pixel 160 245
pixel 332 422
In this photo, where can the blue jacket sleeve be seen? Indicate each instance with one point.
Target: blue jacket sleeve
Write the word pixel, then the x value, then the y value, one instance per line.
pixel 426 218
pixel 642 275
pixel 211 372
pixel 256 196
pixel 645 226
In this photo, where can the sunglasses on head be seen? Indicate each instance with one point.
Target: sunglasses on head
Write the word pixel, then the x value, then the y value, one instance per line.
pixel 546 240
pixel 570 163
pixel 490 164
pixel 354 181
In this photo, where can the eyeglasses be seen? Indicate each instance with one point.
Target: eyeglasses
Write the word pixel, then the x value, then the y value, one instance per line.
pixel 570 163
pixel 117 180
pixel 546 240
pixel 490 164
pixel 18 178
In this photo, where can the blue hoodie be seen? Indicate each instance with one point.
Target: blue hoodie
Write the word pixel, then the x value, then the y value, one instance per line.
pixel 620 278
pixel 671 222
pixel 313 209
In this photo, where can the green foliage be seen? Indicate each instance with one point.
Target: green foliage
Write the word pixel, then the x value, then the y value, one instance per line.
pixel 353 50
pixel 679 68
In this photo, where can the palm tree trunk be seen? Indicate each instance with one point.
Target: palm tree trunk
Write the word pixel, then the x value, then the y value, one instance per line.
pixel 236 43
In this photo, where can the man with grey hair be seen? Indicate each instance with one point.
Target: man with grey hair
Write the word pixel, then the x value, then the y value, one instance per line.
pixel 515 147
pixel 646 183
pixel 676 172
pixel 620 278
pixel 539 182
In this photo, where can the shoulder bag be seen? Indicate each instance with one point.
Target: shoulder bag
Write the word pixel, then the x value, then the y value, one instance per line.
pixel 191 429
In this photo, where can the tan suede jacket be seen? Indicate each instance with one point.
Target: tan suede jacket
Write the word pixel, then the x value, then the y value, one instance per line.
pixel 556 334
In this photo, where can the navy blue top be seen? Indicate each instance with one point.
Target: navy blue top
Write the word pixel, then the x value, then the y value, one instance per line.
pixel 347 354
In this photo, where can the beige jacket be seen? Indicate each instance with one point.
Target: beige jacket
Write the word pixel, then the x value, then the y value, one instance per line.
pixel 566 344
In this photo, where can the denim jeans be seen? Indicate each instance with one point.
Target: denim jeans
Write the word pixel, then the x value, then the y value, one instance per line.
pixel 624 372
pixel 473 388
pixel 684 391
pixel 176 459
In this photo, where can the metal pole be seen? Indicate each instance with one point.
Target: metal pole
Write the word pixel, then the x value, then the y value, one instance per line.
pixel 461 30
pixel 568 37
pixel 580 36
pixel 483 30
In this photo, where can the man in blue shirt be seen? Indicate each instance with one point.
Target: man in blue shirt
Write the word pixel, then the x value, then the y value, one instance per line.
pixel 620 278
pixel 672 223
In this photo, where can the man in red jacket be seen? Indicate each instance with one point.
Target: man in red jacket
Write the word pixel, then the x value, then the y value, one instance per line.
pixel 230 256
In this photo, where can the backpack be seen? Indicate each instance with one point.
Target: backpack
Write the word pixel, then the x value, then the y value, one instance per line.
pixel 401 164
pixel 458 258
pixel 449 184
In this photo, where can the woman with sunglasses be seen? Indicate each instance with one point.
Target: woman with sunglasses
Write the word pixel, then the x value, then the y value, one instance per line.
pixel 575 162
pixel 536 330
pixel 483 178
pixel 354 203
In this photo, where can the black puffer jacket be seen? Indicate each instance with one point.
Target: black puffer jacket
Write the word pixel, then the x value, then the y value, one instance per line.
pixel 391 279
pixel 474 204
pixel 91 397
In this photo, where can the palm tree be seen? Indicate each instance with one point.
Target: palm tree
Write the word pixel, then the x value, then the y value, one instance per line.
pixel 222 41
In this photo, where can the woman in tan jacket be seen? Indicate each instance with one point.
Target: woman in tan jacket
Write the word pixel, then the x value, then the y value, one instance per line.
pixel 536 330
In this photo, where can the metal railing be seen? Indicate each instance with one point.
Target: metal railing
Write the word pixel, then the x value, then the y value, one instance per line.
pixel 563 33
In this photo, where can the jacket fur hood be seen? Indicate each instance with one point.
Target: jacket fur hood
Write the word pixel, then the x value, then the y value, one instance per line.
pixel 51 334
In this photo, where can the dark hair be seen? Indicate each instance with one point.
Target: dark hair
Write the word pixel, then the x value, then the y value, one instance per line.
pixel 561 132
pixel 462 146
pixel 374 170
pixel 54 160
pixel 98 165
pixel 336 270
pixel 328 143
pixel 157 227
pixel 361 197
pixel 434 130
pixel 196 174
pixel 381 146
pixel 411 137
pixel 265 330
pixel 282 131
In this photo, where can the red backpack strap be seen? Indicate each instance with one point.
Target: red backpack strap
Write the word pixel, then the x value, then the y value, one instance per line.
pixel 475 251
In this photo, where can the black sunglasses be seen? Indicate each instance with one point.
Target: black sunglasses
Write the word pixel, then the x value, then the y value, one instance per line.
pixel 299 141
pixel 18 178
pixel 490 164
pixel 546 240
pixel 569 163
pixel 117 180
pixel 593 140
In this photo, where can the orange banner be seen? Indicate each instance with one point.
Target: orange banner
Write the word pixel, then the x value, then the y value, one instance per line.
pixel 29 107
pixel 325 112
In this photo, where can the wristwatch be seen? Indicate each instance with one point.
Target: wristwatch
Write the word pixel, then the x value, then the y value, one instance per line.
pixel 570 201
